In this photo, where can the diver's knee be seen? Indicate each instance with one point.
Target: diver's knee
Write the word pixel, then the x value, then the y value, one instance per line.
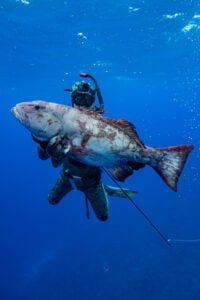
pixel 103 218
pixel 53 200
pixel 56 196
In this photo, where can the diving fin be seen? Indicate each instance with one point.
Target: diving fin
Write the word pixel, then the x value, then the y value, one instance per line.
pixel 117 192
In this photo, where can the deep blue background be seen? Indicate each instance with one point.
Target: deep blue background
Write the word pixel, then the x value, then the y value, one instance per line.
pixel 145 55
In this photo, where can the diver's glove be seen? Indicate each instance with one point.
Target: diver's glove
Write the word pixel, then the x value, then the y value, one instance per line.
pixel 41 148
pixel 43 155
pixel 57 149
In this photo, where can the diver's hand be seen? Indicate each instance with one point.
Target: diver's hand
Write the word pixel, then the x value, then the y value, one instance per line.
pixel 58 148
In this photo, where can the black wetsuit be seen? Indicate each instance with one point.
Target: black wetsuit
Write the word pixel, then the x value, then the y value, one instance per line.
pixel 86 179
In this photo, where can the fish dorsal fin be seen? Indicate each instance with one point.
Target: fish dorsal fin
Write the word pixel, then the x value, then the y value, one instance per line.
pixel 121 124
pixel 127 127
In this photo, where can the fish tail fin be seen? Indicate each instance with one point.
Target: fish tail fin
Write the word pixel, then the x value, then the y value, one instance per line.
pixel 169 163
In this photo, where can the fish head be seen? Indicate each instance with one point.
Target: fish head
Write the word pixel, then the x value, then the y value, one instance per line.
pixel 42 119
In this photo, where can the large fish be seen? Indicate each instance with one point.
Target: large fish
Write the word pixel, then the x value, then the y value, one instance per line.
pixel 98 141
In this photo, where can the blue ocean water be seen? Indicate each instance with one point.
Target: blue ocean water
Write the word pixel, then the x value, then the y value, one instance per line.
pixel 145 56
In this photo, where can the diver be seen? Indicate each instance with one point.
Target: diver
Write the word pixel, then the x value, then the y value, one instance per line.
pixel 83 95
pixel 86 179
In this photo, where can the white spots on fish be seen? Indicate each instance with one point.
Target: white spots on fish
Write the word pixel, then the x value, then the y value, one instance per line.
pixel 172 161
pixel 171 165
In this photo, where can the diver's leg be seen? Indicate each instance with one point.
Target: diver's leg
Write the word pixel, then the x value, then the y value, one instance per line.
pixel 96 194
pixel 99 201
pixel 41 148
pixel 61 187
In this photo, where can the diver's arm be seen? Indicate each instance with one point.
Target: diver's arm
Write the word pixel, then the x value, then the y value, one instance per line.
pixel 61 187
pixel 41 148
pixel 43 155
pixel 48 150
pixel 58 148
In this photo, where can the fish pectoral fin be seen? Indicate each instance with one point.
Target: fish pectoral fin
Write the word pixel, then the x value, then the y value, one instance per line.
pixel 120 173
pixel 58 147
pixel 135 165
pixel 119 192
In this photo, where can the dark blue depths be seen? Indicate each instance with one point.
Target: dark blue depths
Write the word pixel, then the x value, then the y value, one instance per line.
pixel 145 55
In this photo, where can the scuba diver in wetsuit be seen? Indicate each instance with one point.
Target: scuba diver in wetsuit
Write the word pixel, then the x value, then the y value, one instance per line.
pixel 86 178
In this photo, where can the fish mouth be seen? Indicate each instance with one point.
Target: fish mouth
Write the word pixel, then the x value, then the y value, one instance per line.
pixel 19 113
pixel 15 112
